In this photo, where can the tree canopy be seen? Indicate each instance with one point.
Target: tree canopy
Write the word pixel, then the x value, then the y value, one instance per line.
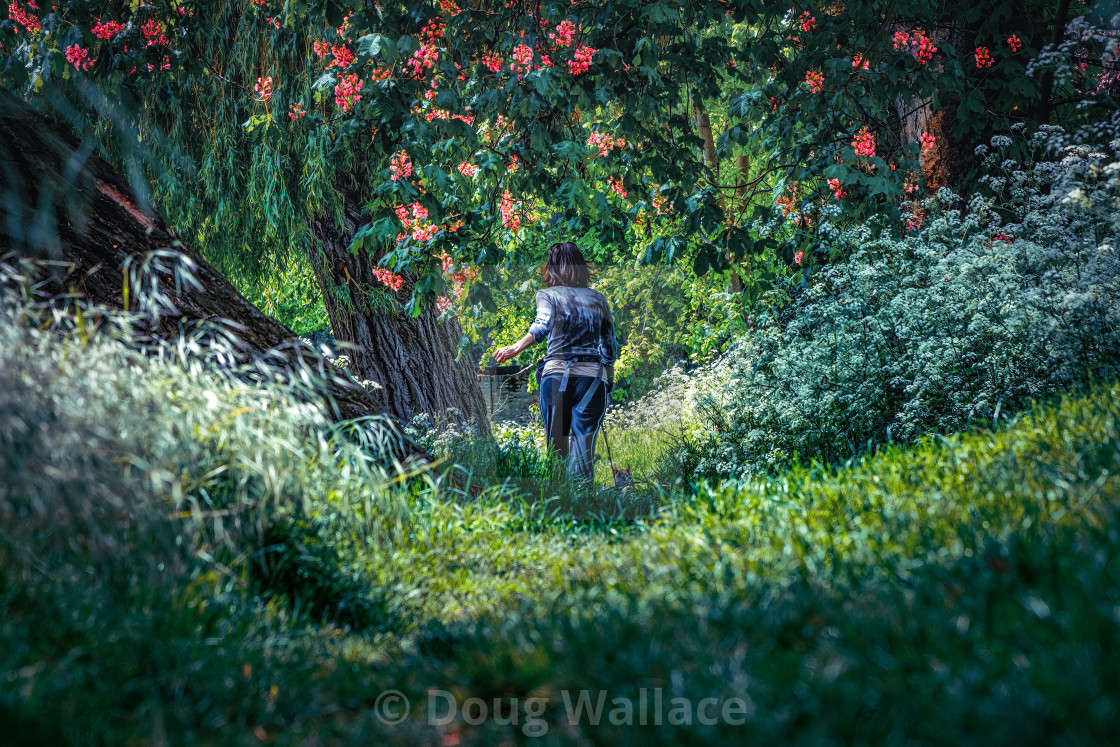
pixel 463 127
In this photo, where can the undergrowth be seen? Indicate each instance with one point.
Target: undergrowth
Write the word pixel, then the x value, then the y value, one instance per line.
pixel 189 555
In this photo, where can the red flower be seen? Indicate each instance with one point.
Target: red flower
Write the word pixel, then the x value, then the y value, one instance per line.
pixel 983 59
pixel 107 29
pixel 389 278
pixel 916 43
pixel 153 32
pixel 564 34
pixel 510 218
pixel 864 143
pixel 413 218
pixel 927 143
pixel 815 79
pixel 423 59
pixel 522 58
pixel 400 165
pixel 1014 42
pixel 22 17
pixel 263 88
pixel 582 60
pixel 346 92
pixel 343 57
pixel 604 142
pixel 493 62
pixel 77 57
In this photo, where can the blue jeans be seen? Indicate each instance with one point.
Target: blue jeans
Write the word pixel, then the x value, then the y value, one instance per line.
pixel 562 414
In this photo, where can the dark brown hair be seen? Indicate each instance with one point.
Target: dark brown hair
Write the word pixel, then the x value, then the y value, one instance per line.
pixel 566 266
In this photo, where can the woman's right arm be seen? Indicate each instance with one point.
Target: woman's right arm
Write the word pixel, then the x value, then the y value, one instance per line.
pixel 538 331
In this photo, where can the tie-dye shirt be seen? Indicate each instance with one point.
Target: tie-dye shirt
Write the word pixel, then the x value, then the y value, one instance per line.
pixel 576 322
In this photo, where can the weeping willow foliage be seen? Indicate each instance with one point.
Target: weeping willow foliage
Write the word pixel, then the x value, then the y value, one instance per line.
pixel 261 176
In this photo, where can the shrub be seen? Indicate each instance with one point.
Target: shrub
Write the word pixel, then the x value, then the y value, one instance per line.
pixel 973 316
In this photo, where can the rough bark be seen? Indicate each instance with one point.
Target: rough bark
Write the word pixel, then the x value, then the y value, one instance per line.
pixel 743 166
pixel 947 161
pixel 704 128
pixel 413 360
pixel 61 203
pixel 917 116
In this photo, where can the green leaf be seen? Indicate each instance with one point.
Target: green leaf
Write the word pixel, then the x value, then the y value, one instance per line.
pixel 382 230
pixel 335 13
pixel 568 194
pixel 739 242
pixel 702 261
pixel 660 13
pixel 569 150
pixel 372 45
pixel 878 186
pixel 17 72
pixel 674 245
pixel 539 139
pixel 480 294
pixel 447 98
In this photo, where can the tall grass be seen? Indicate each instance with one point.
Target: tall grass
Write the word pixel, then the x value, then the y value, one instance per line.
pixel 191 553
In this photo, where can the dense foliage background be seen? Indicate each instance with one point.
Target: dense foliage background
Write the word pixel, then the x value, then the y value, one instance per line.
pixel 862 258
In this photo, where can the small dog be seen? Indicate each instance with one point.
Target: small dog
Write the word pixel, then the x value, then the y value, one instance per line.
pixel 623 479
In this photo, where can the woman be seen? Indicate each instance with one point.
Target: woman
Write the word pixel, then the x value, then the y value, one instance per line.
pixel 577 371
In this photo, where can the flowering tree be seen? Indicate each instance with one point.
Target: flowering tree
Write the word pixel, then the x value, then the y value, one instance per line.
pixel 403 147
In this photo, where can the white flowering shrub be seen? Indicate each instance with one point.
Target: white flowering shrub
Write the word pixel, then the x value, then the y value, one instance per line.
pixel 1010 298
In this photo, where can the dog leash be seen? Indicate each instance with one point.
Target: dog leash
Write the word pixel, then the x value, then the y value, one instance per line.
pixel 607 443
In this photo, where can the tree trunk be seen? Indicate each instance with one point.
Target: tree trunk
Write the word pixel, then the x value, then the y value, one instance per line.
pixel 704 129
pixel 917 117
pixel 1046 80
pixel 947 161
pixel 413 360
pixel 743 166
pixel 61 203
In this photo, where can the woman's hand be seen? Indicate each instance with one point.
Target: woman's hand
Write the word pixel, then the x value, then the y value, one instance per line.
pixel 501 355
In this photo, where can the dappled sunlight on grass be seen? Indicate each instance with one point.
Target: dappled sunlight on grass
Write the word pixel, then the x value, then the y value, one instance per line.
pixel 282 573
